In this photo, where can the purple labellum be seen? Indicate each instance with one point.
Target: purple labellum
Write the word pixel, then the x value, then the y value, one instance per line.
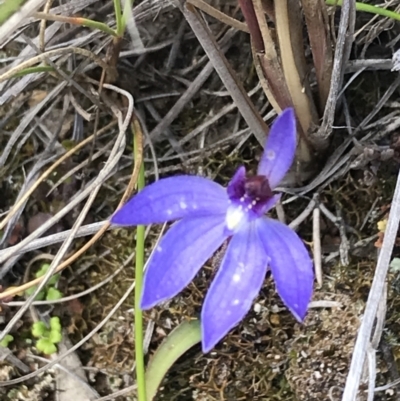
pixel 208 215
pixel 257 188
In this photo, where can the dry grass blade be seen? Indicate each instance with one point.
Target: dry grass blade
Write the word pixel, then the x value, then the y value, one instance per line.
pixel 290 37
pixel 269 60
pixel 375 294
pixel 225 19
pixel 316 16
pixel 342 53
pixel 226 73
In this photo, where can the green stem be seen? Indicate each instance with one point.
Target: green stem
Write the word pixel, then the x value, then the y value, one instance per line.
pixel 77 21
pixel 368 8
pixel 33 70
pixel 118 18
pixel 139 356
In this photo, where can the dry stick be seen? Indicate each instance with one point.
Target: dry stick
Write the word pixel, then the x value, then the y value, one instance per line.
pixel 42 44
pixel 317 245
pixel 374 344
pixel 219 15
pixel 365 330
pixel 225 72
pixel 339 63
pixel 294 224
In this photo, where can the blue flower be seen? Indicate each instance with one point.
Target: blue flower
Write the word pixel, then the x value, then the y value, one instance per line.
pixel 210 214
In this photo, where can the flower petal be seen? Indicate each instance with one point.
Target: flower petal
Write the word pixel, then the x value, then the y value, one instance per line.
pixel 188 244
pixel 279 149
pixel 237 283
pixel 171 199
pixel 236 184
pixel 291 265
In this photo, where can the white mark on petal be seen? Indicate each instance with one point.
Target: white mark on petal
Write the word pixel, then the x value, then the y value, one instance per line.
pixel 236 302
pixel 159 249
pixel 236 278
pixel 169 212
pixel 234 217
pixel 270 154
pixel 183 205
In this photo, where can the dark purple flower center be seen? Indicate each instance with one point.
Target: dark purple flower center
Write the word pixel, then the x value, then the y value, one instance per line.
pixel 257 188
pixel 250 197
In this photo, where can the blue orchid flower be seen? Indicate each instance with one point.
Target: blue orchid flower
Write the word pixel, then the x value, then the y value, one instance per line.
pixel 210 214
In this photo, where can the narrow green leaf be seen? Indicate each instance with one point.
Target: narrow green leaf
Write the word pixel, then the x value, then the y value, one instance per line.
pixel 174 346
pixel 8 8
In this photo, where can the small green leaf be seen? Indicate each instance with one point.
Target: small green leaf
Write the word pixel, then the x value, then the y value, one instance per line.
pixel 54 279
pixel 43 270
pixel 30 291
pixel 55 324
pixel 39 297
pixel 39 329
pixel 6 340
pixel 53 293
pixel 68 144
pixel 395 265
pixel 46 346
pixel 55 336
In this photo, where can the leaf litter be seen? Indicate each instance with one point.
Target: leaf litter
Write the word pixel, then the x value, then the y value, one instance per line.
pixel 268 356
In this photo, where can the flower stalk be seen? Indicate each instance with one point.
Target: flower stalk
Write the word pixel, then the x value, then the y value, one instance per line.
pixel 139 265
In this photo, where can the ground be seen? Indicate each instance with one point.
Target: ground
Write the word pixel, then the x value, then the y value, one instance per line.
pixel 44 115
